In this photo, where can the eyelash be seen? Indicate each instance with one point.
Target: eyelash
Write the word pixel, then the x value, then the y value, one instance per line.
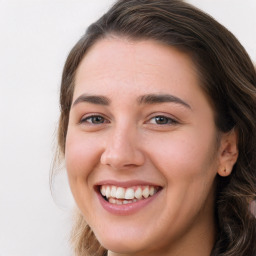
pixel 91 117
pixel 162 118
pixel 167 120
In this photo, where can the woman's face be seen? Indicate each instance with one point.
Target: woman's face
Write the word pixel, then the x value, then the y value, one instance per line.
pixel 141 149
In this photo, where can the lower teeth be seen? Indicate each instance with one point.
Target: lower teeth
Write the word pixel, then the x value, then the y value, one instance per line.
pixel 121 201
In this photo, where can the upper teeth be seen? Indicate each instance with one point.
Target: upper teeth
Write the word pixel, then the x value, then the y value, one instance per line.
pixel 137 192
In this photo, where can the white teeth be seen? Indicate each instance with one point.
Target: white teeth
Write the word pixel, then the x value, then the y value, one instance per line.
pixel 151 191
pixel 113 191
pixel 145 192
pixel 103 190
pixel 112 200
pixel 108 192
pixel 138 193
pixel 129 194
pixel 120 193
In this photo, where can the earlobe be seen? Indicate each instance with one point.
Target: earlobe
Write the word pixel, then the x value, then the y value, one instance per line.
pixel 224 172
pixel 228 152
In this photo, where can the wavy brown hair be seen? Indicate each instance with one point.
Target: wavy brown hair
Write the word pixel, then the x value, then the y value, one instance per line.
pixel 227 77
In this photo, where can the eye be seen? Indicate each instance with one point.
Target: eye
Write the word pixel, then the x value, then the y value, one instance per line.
pixel 162 120
pixel 94 120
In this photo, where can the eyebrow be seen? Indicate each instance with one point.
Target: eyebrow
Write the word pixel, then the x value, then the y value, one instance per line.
pixel 95 99
pixel 144 99
pixel 161 98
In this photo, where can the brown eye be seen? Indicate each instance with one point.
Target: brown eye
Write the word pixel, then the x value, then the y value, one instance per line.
pixel 162 120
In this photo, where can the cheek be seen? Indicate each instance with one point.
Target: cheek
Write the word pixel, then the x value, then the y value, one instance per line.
pixel 184 156
pixel 186 162
pixel 81 154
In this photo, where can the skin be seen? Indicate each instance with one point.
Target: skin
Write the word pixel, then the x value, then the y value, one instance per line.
pixel 127 143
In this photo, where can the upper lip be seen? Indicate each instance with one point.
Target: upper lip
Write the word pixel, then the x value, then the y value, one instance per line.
pixel 126 184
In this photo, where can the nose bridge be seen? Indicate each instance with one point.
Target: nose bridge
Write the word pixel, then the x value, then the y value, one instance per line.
pixel 121 138
pixel 122 149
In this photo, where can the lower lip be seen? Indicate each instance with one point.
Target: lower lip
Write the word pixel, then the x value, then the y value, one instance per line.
pixel 126 209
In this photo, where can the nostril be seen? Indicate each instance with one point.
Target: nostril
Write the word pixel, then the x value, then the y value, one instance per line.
pixel 122 159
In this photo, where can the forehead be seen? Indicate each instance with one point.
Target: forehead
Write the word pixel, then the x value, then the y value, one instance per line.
pixel 119 65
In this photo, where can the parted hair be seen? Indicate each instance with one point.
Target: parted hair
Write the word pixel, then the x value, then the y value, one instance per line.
pixel 227 77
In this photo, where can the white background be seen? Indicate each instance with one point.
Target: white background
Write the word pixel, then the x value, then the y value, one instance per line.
pixel 35 38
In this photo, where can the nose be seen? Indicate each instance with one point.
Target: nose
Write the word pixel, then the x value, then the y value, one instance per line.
pixel 122 150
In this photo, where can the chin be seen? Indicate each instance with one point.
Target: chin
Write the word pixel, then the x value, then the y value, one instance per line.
pixel 125 244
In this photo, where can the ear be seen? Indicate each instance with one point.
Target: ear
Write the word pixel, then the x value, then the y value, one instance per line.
pixel 228 152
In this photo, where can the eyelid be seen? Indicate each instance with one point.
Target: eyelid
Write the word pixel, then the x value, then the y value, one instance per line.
pixel 173 119
pixel 91 115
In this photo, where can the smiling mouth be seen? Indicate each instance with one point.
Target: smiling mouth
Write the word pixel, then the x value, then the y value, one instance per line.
pixel 120 195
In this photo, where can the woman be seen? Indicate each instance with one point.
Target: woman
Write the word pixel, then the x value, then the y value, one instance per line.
pixel 157 129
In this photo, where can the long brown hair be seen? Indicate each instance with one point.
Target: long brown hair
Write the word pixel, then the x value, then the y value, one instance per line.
pixel 228 79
